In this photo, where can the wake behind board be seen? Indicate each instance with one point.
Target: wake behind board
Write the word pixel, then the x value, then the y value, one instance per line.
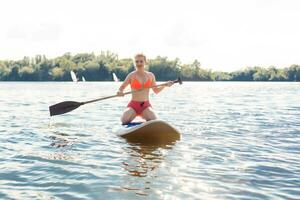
pixel 150 132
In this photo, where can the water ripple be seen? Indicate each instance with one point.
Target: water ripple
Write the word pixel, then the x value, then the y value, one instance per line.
pixel 239 141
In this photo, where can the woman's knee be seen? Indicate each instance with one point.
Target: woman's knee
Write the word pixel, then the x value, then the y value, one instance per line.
pixel 128 116
pixel 149 114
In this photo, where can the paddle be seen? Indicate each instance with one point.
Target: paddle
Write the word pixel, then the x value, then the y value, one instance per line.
pixel 68 106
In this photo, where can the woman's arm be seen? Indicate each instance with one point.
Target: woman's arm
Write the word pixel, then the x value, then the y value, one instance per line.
pixel 125 83
pixel 157 90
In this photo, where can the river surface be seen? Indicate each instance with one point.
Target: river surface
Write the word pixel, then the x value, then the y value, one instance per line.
pixel 239 141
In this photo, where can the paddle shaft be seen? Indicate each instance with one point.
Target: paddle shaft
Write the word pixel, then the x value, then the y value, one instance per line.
pixel 68 106
pixel 131 92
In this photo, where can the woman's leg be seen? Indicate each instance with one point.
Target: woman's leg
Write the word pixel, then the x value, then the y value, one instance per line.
pixel 128 115
pixel 149 114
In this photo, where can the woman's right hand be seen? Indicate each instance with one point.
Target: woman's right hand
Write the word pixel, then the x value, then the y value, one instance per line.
pixel 120 93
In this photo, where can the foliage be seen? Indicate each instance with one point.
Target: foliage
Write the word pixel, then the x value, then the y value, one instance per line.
pixel 100 68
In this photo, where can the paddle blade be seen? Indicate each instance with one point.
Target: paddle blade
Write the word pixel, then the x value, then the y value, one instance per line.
pixel 179 80
pixel 64 107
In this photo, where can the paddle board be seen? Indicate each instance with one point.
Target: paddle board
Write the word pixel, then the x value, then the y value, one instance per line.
pixel 154 131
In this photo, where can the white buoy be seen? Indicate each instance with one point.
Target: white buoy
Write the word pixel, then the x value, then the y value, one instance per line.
pixel 73 76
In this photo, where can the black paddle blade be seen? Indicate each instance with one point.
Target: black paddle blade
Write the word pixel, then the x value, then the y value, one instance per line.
pixel 64 107
pixel 179 80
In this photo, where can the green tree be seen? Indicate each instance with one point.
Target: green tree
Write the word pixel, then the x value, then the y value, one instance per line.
pixel 100 68
pixel 27 73
pixel 293 73
pixel 261 75
pixel 57 74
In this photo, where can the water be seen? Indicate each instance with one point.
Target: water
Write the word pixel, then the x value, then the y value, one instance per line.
pixel 239 141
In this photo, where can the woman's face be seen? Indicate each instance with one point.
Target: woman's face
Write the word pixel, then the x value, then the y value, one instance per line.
pixel 139 62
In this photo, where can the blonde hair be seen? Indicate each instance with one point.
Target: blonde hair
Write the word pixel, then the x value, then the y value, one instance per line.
pixel 140 55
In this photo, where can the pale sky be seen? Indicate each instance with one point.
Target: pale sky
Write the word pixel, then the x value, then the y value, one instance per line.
pixel 222 34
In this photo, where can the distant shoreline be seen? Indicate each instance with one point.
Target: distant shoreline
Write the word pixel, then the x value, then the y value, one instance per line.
pixel 92 67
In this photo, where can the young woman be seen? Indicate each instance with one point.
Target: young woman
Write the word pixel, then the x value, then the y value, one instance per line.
pixel 139 79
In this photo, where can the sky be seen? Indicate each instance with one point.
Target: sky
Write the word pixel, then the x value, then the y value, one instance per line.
pixel 222 35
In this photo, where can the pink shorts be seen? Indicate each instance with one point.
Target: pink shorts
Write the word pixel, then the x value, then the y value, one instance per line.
pixel 139 106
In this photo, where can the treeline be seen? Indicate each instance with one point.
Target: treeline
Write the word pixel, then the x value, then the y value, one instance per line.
pixel 100 68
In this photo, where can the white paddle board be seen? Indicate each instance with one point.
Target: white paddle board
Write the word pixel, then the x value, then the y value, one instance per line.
pixel 154 131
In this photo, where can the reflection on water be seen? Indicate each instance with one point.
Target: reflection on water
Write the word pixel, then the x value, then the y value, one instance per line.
pixel 142 159
pixel 141 163
pixel 239 141
pixel 145 154
pixel 59 142
pixel 59 156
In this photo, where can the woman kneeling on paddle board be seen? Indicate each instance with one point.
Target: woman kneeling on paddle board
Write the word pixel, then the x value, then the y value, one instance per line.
pixel 139 79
